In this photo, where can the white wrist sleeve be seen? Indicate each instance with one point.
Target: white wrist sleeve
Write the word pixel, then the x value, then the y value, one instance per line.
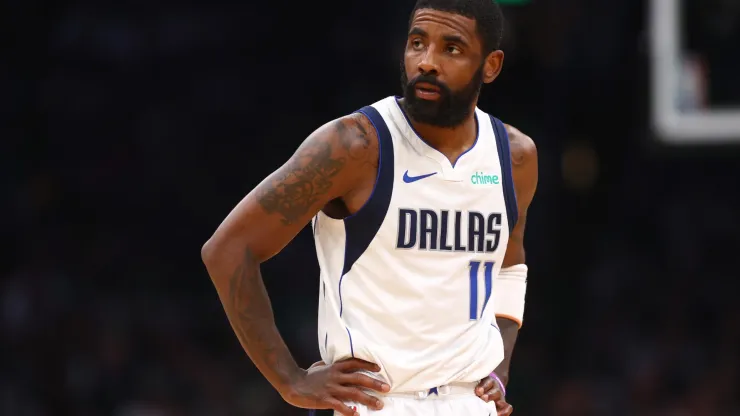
pixel 509 290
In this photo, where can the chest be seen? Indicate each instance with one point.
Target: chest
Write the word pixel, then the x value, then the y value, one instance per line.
pixel 438 209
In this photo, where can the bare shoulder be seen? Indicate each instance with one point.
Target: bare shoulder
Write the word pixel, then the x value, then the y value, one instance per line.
pixel 335 150
pixel 523 149
pixel 329 164
pixel 357 135
pixel 524 167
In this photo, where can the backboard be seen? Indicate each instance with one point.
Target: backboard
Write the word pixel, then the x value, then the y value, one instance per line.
pixel 695 71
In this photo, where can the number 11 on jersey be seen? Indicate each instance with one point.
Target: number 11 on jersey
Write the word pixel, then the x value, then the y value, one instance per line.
pixel 488 280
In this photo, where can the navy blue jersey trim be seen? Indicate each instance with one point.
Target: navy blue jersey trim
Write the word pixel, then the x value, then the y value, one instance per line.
pixel 361 227
pixel 364 224
pixel 411 125
pixel 504 155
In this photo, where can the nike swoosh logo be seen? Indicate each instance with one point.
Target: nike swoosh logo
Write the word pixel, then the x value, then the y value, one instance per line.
pixel 410 179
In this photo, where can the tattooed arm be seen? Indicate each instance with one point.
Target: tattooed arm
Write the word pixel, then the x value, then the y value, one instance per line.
pixel 330 164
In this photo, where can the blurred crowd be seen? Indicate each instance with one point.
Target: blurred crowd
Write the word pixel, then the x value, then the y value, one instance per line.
pixel 132 129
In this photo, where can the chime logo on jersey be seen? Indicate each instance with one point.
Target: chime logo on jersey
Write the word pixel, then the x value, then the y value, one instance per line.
pixel 460 231
pixel 480 178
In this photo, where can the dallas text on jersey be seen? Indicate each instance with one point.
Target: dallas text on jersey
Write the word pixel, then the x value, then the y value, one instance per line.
pixel 426 229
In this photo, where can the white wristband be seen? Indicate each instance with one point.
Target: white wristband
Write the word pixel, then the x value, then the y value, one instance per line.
pixel 509 290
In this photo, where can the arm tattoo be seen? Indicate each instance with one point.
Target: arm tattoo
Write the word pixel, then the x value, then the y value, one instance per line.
pixel 308 177
pixel 249 310
pixel 311 173
pixel 357 141
pixel 303 182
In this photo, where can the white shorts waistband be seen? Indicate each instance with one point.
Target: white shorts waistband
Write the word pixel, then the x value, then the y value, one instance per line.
pixel 452 389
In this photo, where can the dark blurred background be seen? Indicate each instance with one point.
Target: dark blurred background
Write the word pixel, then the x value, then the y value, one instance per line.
pixel 130 129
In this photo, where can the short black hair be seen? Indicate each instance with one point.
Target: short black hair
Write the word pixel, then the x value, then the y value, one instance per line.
pixel 489 20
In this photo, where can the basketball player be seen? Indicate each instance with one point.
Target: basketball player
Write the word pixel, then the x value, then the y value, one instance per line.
pixel 418 207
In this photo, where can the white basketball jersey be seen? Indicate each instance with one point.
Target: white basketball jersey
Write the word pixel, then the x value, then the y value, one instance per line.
pixel 406 281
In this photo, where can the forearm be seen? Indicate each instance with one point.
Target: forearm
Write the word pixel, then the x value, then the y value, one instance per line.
pixel 509 331
pixel 239 284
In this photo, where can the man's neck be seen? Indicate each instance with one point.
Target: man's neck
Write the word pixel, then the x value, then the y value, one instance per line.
pixel 451 141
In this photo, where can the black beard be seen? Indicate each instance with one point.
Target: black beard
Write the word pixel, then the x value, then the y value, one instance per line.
pixel 450 110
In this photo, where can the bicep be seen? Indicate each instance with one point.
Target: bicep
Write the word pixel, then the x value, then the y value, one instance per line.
pixel 272 214
pixel 525 172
